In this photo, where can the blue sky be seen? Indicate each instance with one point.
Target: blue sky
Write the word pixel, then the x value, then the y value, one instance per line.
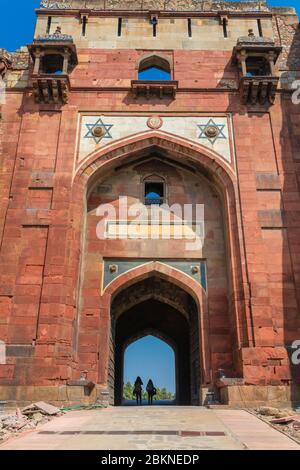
pixel 18 19
pixel 153 359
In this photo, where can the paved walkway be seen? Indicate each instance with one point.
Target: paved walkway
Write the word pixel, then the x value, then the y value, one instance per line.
pixel 157 428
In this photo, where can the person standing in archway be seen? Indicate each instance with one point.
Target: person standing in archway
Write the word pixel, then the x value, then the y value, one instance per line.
pixel 137 391
pixel 151 390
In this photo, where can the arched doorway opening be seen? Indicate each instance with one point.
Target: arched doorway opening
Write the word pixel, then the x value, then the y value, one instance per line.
pixel 191 174
pixel 156 305
pixel 150 356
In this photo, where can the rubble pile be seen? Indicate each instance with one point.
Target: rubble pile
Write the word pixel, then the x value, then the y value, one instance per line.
pixel 285 420
pixel 26 419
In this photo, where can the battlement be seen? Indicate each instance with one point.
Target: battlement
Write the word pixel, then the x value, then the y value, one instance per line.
pixel 161 5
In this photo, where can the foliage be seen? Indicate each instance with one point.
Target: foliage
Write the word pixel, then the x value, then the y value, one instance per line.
pixel 128 391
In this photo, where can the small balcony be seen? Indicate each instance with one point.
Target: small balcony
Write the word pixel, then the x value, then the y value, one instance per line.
pixel 155 88
pixel 256 58
pixel 54 58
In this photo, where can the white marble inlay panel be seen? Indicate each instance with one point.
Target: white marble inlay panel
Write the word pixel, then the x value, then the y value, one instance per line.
pixel 189 127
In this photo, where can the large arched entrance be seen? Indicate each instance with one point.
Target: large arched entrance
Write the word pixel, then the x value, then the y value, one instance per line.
pixel 114 269
pixel 156 306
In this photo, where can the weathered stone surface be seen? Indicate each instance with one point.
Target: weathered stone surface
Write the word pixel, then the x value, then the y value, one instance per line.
pixel 55 311
pixel 268 411
pixel 169 5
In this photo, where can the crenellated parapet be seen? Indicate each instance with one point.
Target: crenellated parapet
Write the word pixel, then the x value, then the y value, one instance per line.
pixel 155 5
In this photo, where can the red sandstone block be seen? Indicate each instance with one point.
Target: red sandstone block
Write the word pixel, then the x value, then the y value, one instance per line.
pixel 91 292
pixel 262 355
pixel 52 309
pixel 88 322
pixel 90 312
pixel 283 372
pixel 260 301
pixel 4 332
pixel 7 371
pixel 255 375
pixel 26 309
pixel 90 358
pixel 24 293
pixel 91 302
pixel 264 336
pixel 5 305
pixel 50 373
pixel 54 270
pixel 24 320
pixel 21 334
pixel 64 372
pixel 41 350
pixel 88 349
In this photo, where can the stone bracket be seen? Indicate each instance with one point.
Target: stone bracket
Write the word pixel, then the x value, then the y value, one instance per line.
pixel 258 90
pixel 50 89
pixel 148 88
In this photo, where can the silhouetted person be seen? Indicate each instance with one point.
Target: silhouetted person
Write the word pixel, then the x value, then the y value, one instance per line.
pixel 151 390
pixel 138 390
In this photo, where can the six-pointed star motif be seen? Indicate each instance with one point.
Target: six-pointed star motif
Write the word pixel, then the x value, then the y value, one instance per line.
pixel 105 127
pixel 219 135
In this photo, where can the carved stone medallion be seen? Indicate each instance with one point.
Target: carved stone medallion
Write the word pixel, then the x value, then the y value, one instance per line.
pixel 155 122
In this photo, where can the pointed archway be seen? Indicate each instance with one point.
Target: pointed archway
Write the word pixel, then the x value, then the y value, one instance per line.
pixel 154 355
pixel 204 164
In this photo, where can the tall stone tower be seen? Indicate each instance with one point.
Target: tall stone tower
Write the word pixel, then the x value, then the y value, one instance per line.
pixel 150 180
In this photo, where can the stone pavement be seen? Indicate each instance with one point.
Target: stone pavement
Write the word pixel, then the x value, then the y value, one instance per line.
pixel 157 428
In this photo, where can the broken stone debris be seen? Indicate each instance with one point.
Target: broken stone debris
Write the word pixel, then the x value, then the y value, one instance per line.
pixel 277 413
pixel 41 407
pixel 25 419
pixel 285 420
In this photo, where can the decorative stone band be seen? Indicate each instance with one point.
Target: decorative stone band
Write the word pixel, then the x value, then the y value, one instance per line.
pixel 157 5
pixel 195 269
pixel 54 37
pixel 213 132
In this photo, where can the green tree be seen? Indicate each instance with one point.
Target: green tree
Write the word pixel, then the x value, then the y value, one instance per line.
pixel 128 391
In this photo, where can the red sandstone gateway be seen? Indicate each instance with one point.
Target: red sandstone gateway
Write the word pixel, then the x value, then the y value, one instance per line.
pixel 112 105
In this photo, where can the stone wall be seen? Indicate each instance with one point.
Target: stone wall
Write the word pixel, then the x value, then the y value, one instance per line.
pixel 102 32
pixel 168 5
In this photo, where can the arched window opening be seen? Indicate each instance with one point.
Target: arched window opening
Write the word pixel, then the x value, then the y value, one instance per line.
pixel 150 358
pixel 154 68
pixel 154 191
